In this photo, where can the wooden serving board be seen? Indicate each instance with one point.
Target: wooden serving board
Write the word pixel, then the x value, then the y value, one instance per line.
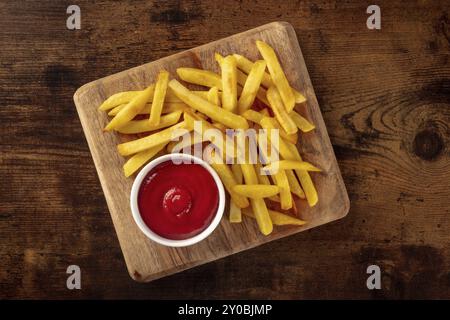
pixel 147 260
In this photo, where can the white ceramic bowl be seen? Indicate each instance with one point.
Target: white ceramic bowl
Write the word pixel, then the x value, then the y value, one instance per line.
pixel 156 237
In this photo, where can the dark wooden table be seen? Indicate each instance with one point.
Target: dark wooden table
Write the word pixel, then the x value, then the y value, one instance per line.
pixel 385 97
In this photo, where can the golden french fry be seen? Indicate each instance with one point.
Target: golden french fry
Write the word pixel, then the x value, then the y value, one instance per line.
pixel 130 110
pixel 229 83
pixel 278 218
pixel 118 99
pixel 214 112
pixel 161 137
pixel 139 126
pixel 158 98
pixel 294 185
pixel 290 164
pixel 252 115
pixel 235 212
pixel 169 107
pixel 277 75
pixel 237 172
pixel 201 77
pixel 285 191
pixel 213 96
pixel 229 182
pixel 258 205
pixel 256 191
pixel 290 152
pixel 251 86
pixel 280 112
pixel 301 122
pixel 139 159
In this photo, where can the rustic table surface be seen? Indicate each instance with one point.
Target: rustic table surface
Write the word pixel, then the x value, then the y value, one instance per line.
pixel 385 97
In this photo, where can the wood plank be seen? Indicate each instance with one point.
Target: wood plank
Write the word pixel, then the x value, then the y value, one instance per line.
pixel 147 260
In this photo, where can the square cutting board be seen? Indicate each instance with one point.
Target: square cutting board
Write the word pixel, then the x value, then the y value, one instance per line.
pixel 147 260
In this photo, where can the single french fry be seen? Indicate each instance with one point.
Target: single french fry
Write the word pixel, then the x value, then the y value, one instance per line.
pixel 278 218
pixel 169 107
pixel 301 122
pixel 280 112
pixel 214 112
pixel 131 109
pixel 277 75
pixel 229 181
pixel 161 137
pixel 139 126
pixel 290 152
pixel 256 191
pixel 253 116
pixel 258 205
pixel 118 99
pixel 158 98
pixel 290 164
pixel 213 96
pixel 139 159
pixel 251 86
pixel 285 192
pixel 229 83
pixel 294 185
pixel 237 172
pixel 235 212
pixel 201 77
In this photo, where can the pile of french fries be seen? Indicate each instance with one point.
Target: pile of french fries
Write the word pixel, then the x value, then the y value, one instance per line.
pixel 244 95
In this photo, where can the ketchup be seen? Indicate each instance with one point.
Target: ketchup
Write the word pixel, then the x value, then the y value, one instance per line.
pixel 178 201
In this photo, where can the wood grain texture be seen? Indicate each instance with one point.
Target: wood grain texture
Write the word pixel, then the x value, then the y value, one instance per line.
pixel 147 260
pixel 384 96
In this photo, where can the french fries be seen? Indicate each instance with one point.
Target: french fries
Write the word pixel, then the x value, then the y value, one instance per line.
pixel 139 126
pixel 201 77
pixel 167 108
pixel 229 83
pixel 118 99
pixel 280 112
pixel 277 75
pixel 256 191
pixel 246 65
pixel 131 109
pixel 301 122
pixel 285 191
pixel 139 159
pixel 216 113
pixel 290 164
pixel 158 98
pixel 235 211
pixel 161 137
pixel 227 103
pixel 278 218
pixel 229 181
pixel 251 86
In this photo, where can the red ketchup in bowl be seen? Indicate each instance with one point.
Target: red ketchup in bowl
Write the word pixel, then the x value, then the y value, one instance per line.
pixel 178 201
